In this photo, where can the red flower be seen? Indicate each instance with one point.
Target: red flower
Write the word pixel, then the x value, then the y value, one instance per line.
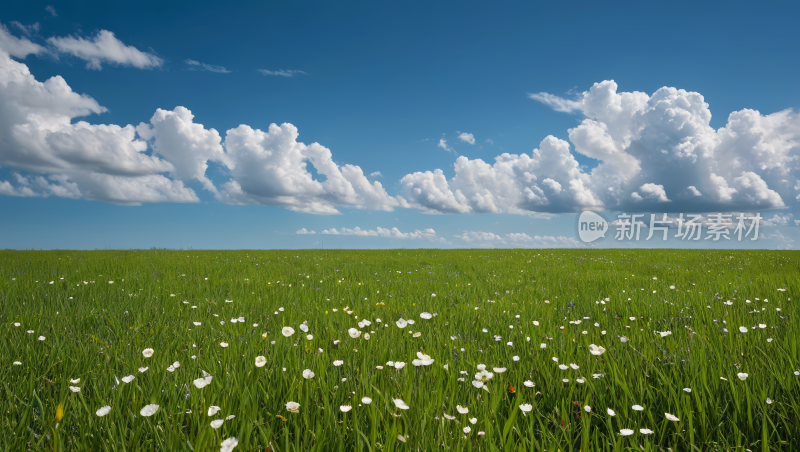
pixel 511 389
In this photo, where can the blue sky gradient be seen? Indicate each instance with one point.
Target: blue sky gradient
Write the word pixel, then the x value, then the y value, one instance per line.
pixel 380 84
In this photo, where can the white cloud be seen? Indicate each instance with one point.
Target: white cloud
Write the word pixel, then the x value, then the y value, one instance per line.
pixel 51 10
pixel 270 168
pixel 466 138
pixel 104 47
pixel 517 239
pixel 26 29
pixel 488 140
pixel 207 67
pixel 305 231
pixel 17 47
pixel 393 233
pixel 654 152
pixel 778 220
pixel 282 72
pixel 443 144
pixel 376 174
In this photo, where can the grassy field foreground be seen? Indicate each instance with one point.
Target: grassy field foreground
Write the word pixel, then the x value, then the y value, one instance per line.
pixel 399 350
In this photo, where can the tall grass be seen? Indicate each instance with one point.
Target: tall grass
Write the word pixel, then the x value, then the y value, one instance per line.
pixel 96 331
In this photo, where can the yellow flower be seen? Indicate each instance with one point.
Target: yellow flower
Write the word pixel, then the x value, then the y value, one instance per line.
pixel 59 412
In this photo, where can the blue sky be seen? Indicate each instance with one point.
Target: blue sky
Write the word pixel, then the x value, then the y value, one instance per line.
pixel 612 107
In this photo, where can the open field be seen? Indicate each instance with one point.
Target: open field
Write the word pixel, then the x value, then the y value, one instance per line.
pixel 709 337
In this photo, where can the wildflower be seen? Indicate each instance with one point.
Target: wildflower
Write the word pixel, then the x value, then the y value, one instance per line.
pixel 743 329
pixel 149 410
pixel 309 337
pixel 462 409
pixel 366 400
pixel 610 412
pixel 425 316
pixel 637 408
pixel 401 323
pixel 645 431
pixel 148 352
pixel 448 417
pixel 102 411
pixel 128 379
pixel 345 408
pixel 626 432
pixel 216 424
pixel 354 333
pixel 526 408
pixel 399 365
pixel 223 344
pixel 41 338
pixel 588 409
pixel 74 389
pixel 338 363
pixel 671 417
pixel 261 361
pixel 293 407
pixel 742 376
pixel 212 410
pixel 623 339
pixel 228 444
pixel 687 390
pixel 499 370
pixel 467 429
pixel 201 383
pixel 304 327
pixel 307 374
pixel 287 331
pixel 400 404
pixel 528 383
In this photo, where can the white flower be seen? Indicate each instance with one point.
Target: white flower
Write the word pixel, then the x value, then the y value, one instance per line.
pixel 309 337
pixel 202 382
pixel 41 338
pixel 484 376
pixel 345 408
pixel 103 410
pixel 417 334
pixel 580 380
pixel 596 350
pixel 128 379
pixel 216 424
pixel 17 363
pixel 16 324
pixel 478 384
pixel 307 374
pixel 366 400
pixel 425 316
pixel 448 417
pixel 637 408
pixel 588 409
pixel 74 389
pixel 742 376
pixel 287 331
pixel 467 429
pixel 671 417
pixel 212 410
pixel 611 412
pixel 462 409
pixel 526 408
pixel 229 417
pixel 481 366
pixel 149 410
pixel 148 352
pixel 563 366
pixel 528 383
pixel 261 361
pixel 542 345
pixel 228 445
pixel 293 407
pixel 338 363
pixel 687 390
pixel 401 323
pixel 769 401
pixel 197 323
pixel 623 339
pixel 645 431
pixel 499 369
pixel 304 327
pixel 743 329
pixel 473 420
pixel 665 333
pixel 400 404
pixel 626 432
pixel 354 333
pixel 223 344
pixel 399 365
pixel 366 336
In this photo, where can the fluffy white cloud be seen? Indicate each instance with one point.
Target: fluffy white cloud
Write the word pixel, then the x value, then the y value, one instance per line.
pixel 655 153
pixel 517 239
pixel 443 144
pixel 270 168
pixel 104 47
pixel 305 231
pixel 17 47
pixel 100 162
pixel 394 233
pixel 467 138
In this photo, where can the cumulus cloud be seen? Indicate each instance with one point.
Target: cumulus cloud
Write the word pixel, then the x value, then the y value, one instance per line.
pixel 207 67
pixel 654 152
pixel 51 10
pixel 466 138
pixel 779 219
pixel 305 231
pixel 282 72
pixel 270 168
pixel 393 233
pixel 376 174
pixel 104 47
pixel 517 239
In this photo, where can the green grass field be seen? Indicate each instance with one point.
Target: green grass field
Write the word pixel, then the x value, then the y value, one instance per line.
pixel 63 319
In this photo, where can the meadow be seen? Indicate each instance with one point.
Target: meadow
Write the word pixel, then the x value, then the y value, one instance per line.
pixel 461 350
